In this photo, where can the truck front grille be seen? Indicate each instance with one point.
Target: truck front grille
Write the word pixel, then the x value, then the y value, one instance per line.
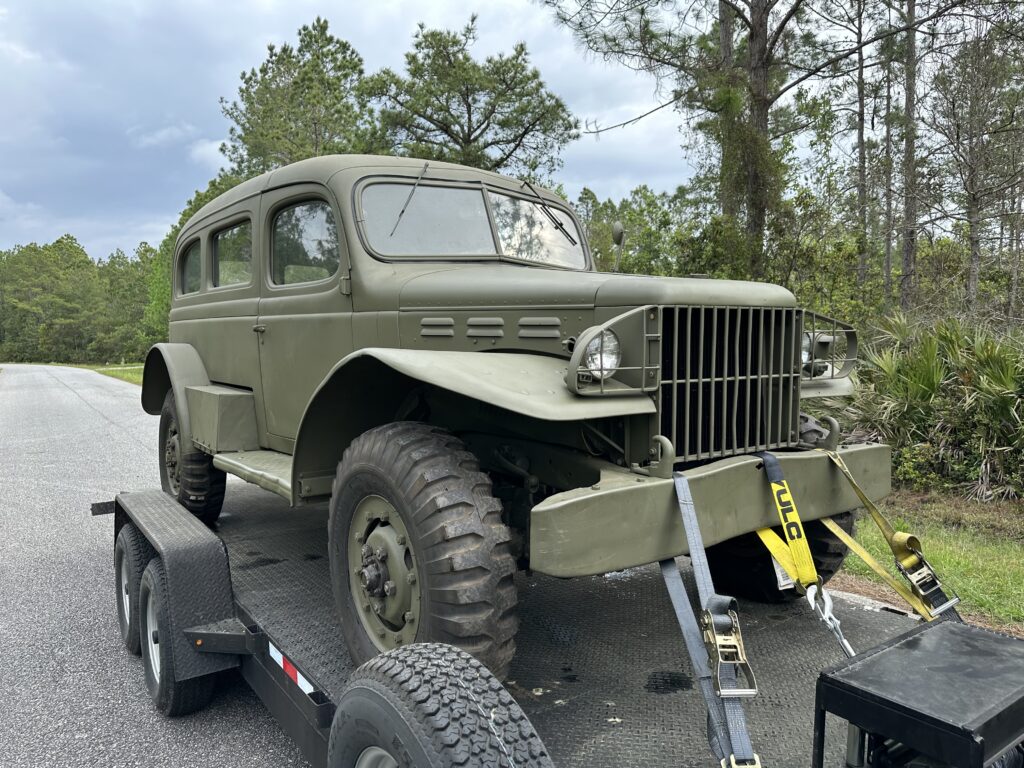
pixel 730 380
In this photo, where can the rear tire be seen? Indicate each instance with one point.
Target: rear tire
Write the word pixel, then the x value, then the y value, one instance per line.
pixel 186 473
pixel 171 696
pixel 412 493
pixel 430 706
pixel 742 567
pixel 132 554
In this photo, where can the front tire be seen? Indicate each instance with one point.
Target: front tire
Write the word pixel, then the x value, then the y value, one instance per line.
pixel 171 696
pixel 742 567
pixel 186 473
pixel 418 549
pixel 431 706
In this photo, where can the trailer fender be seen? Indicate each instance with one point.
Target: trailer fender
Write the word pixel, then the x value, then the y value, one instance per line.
pixel 198 579
pixel 172 366
pixel 366 389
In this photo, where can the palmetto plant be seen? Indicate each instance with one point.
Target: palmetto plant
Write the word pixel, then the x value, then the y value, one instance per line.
pixel 949 398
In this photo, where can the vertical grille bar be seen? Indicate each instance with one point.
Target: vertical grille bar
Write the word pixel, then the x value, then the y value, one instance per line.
pixel 730 379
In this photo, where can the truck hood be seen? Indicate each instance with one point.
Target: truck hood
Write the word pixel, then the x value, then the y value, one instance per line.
pixel 506 285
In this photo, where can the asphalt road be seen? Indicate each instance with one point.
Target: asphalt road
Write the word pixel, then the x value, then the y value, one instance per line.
pixel 70 695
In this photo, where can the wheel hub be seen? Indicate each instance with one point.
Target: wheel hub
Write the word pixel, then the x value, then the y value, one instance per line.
pixel 384 587
pixel 172 457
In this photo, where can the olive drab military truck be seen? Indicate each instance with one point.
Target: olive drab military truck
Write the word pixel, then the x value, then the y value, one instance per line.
pixel 429 349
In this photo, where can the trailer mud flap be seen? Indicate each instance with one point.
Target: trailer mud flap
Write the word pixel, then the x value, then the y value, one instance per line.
pixel 196 564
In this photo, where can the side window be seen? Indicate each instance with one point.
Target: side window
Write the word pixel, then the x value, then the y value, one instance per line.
pixel 232 255
pixel 190 269
pixel 305 244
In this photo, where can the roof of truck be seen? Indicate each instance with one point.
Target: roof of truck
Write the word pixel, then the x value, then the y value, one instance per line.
pixel 320 170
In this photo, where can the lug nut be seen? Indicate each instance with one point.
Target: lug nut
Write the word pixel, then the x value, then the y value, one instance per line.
pixel 366 551
pixel 381 554
pixel 389 588
pixel 400 539
pixel 408 617
pixel 410 577
pixel 360 537
pixel 376 607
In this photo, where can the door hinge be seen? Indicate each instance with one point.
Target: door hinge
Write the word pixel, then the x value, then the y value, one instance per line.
pixel 346 285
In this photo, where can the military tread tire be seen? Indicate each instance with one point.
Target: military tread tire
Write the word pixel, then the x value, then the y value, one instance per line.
pixel 431 706
pixel 462 558
pixel 742 567
pixel 196 483
pixel 132 554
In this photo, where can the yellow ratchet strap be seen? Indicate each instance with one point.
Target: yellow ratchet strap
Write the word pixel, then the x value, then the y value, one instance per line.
pixel 793 553
pixel 905 546
pixel 913 600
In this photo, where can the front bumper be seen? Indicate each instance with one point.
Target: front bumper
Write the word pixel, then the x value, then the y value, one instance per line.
pixel 626 519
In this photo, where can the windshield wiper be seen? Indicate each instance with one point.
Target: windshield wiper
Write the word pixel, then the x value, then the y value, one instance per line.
pixel 555 221
pixel 412 192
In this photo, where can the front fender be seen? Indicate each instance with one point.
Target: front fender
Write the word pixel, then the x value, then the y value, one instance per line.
pixel 366 389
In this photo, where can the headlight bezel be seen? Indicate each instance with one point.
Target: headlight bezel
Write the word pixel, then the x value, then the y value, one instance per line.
pixel 604 344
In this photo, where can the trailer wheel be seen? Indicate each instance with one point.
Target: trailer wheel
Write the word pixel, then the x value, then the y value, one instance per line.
pixel 132 554
pixel 186 473
pixel 742 567
pixel 171 696
pixel 418 549
pixel 430 706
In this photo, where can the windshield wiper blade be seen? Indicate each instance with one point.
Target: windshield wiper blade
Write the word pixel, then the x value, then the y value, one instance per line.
pixel 412 192
pixel 555 221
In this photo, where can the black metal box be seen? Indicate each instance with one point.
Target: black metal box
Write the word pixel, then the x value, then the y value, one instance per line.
pixel 953 692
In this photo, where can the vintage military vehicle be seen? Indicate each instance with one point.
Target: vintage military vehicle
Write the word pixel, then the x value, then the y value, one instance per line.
pixel 429 348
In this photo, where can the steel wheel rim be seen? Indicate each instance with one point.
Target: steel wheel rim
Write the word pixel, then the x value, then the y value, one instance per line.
pixel 152 637
pixel 126 603
pixel 375 757
pixel 172 458
pixel 386 592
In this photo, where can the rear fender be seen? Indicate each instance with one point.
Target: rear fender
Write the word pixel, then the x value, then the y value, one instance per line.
pixel 172 366
pixel 367 389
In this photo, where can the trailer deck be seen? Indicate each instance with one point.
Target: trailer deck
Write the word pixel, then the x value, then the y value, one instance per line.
pixel 600 669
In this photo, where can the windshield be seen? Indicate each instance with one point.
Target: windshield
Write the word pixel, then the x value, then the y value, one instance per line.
pixel 443 221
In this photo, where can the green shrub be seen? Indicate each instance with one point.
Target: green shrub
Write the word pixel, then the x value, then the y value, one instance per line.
pixel 948 397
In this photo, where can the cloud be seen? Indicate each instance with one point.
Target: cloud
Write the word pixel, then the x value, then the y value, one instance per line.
pixel 162 137
pixel 16 52
pixel 206 153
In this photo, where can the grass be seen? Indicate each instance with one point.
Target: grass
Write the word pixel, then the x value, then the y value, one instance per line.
pixel 126 371
pixel 976 548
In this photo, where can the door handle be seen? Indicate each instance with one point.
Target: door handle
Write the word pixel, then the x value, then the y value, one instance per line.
pixel 259 328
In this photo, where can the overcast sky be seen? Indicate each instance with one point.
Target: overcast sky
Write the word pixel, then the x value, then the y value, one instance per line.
pixel 109 114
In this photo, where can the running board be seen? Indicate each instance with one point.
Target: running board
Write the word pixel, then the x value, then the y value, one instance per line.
pixel 267 469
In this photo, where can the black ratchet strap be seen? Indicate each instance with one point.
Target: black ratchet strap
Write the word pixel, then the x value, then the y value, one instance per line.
pixel 714 645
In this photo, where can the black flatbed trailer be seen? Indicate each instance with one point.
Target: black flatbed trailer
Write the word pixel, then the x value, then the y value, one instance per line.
pixel 600 669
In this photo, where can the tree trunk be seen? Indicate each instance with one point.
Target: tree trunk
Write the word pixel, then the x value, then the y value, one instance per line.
pixel 862 160
pixel 889 222
pixel 909 161
pixel 1013 225
pixel 729 161
pixel 759 148
pixel 974 242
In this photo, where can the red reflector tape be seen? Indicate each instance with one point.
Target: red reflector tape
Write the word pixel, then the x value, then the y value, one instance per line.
pixel 289 669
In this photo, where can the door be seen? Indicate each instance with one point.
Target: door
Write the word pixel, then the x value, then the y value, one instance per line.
pixel 305 321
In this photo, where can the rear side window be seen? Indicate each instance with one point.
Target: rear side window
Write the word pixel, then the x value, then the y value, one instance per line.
pixel 305 244
pixel 190 269
pixel 232 255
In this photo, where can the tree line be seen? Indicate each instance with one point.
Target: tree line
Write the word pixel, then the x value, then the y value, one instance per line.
pixel 868 155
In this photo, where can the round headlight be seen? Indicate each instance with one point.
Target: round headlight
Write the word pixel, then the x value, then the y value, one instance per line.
pixel 602 355
pixel 805 349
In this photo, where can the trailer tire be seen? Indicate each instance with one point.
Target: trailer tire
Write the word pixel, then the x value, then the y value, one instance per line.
pixel 742 567
pixel 431 706
pixel 132 554
pixel 188 474
pixel 171 696
pixel 413 492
